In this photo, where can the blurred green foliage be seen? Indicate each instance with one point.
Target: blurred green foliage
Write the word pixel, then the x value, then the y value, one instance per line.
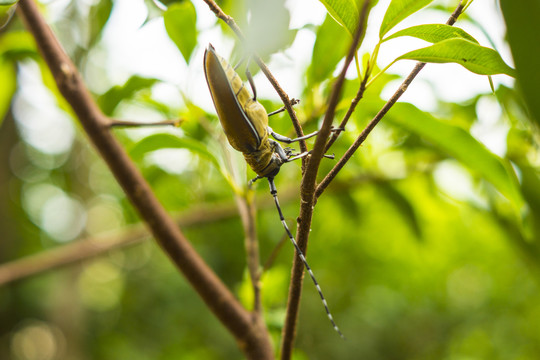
pixel 180 21
pixel 524 37
pixel 427 243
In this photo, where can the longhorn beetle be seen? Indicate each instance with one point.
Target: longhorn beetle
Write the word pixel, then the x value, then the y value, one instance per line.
pixel 245 123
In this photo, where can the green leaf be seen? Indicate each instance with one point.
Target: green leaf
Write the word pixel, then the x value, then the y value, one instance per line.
pixel 523 30
pixel 458 143
pixel 345 12
pixel 399 10
pixel 331 44
pixel 99 13
pixel 164 141
pixel 14 46
pixel 180 23
pixel 110 100
pixel 7 10
pixel 7 90
pixel 155 10
pixel 17 45
pixel 7 2
pixel 529 186
pixel 475 58
pixel 268 34
pixel 168 141
pixel 403 205
pixel 433 33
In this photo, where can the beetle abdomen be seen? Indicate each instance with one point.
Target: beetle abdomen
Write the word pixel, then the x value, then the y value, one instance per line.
pixel 263 162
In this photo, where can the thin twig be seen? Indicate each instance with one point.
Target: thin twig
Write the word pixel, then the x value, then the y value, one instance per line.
pixel 251 334
pixel 364 134
pixel 307 196
pixel 286 101
pixel 350 111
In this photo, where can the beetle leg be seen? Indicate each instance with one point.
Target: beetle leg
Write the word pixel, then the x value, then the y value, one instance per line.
pixel 288 140
pixel 279 150
pixel 250 182
pixel 250 79
pixel 289 151
pixel 286 154
pixel 248 75
pixel 239 62
pixel 299 156
pixel 333 156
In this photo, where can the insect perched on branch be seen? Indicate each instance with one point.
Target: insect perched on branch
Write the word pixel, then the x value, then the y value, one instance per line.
pixel 245 122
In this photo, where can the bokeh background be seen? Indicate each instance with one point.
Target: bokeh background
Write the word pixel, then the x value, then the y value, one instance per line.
pixel 420 256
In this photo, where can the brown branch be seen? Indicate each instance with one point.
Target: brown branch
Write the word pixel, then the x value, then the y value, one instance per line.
pixel 251 336
pixel 282 94
pixel 129 123
pixel 350 111
pixel 364 134
pixel 307 192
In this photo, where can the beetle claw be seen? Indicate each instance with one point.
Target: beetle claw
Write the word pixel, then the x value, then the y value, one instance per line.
pixel 289 151
pixel 250 182
pixel 333 156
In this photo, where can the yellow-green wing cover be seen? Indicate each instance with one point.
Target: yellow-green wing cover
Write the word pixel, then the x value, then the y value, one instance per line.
pixel 244 120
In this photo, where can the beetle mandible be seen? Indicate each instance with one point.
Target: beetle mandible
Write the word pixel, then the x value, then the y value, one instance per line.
pixel 245 123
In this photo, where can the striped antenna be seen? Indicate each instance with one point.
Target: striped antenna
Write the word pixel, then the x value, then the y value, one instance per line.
pixel 273 191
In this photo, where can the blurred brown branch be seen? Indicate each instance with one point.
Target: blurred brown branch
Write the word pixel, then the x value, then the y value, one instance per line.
pixel 128 123
pixel 74 252
pixel 90 247
pixel 247 210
